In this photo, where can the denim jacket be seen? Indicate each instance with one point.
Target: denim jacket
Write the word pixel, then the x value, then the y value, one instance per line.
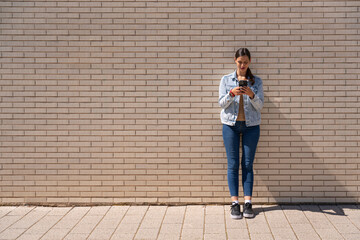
pixel 230 105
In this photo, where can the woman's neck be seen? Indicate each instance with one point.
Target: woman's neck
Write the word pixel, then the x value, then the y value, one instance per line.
pixel 240 74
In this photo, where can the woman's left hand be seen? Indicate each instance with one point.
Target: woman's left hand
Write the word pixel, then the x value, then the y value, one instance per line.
pixel 247 91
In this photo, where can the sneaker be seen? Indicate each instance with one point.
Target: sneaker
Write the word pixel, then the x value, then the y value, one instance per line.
pixel 235 211
pixel 248 212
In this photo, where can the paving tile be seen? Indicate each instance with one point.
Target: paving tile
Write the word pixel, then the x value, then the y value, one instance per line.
pixel 151 223
pixel 351 236
pixel 98 210
pixel 7 221
pixel 155 211
pixel 193 233
pixel 76 236
pixel 166 236
pixel 238 234
pixel 128 228
pixel 72 217
pixel 212 219
pixel 23 222
pixel 307 236
pixel 215 228
pixel 195 211
pixel 214 210
pixel 214 236
pixel 283 233
pixel 350 210
pixel 109 223
pixel 86 225
pixel 147 233
pixel 174 219
pixel 44 225
pixel 347 228
pixel 31 218
pixel 261 236
pixel 122 236
pixel 169 229
pixel 258 225
pixel 101 234
pixel 176 210
pixel 233 223
pixel 276 218
pixel 29 236
pixel 21 210
pixel 116 212
pixel 194 217
pixel 129 219
pixel 4 210
pixel 61 211
pixel 330 233
pixel 137 210
pixel 321 224
pixel 296 218
pixel 12 233
pixel 303 228
pixel 56 234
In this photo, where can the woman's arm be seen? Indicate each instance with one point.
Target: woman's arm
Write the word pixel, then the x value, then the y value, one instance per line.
pixel 225 98
pixel 258 100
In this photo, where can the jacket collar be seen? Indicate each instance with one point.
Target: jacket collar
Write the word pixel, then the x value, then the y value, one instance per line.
pixel 233 76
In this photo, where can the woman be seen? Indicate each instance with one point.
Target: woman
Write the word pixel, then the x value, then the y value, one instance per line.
pixel 241 117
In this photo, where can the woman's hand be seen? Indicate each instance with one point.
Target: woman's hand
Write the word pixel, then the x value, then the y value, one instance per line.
pixel 243 91
pixel 236 91
pixel 247 91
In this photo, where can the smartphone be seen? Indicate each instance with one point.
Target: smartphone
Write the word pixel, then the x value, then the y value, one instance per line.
pixel 243 83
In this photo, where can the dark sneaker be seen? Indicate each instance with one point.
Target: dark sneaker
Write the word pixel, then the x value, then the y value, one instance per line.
pixel 235 211
pixel 248 211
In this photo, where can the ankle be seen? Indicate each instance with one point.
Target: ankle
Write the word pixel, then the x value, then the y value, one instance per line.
pixel 247 201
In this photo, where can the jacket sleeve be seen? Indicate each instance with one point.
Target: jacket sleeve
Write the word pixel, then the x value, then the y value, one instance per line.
pixel 258 101
pixel 224 97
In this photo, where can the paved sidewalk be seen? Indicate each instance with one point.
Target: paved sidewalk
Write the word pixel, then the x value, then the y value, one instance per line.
pixel 306 222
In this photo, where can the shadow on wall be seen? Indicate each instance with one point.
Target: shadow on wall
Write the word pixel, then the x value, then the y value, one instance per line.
pixel 293 164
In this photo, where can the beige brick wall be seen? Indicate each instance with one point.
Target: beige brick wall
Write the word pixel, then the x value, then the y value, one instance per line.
pixel 116 101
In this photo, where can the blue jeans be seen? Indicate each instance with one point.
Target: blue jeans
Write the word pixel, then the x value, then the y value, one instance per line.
pixel 249 139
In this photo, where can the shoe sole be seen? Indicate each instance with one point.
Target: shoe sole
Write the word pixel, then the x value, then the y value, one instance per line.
pixel 236 217
pixel 249 215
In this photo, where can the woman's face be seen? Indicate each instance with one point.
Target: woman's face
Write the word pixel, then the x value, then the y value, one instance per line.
pixel 242 63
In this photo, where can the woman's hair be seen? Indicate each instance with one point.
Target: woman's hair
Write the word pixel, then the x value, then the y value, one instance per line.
pixel 245 52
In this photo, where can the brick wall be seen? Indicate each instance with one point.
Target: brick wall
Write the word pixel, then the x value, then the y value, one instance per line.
pixel 117 101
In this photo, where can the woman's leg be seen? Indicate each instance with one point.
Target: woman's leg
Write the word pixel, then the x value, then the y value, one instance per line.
pixel 232 143
pixel 250 138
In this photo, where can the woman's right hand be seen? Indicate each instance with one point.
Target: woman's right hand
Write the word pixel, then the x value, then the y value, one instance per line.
pixel 237 91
